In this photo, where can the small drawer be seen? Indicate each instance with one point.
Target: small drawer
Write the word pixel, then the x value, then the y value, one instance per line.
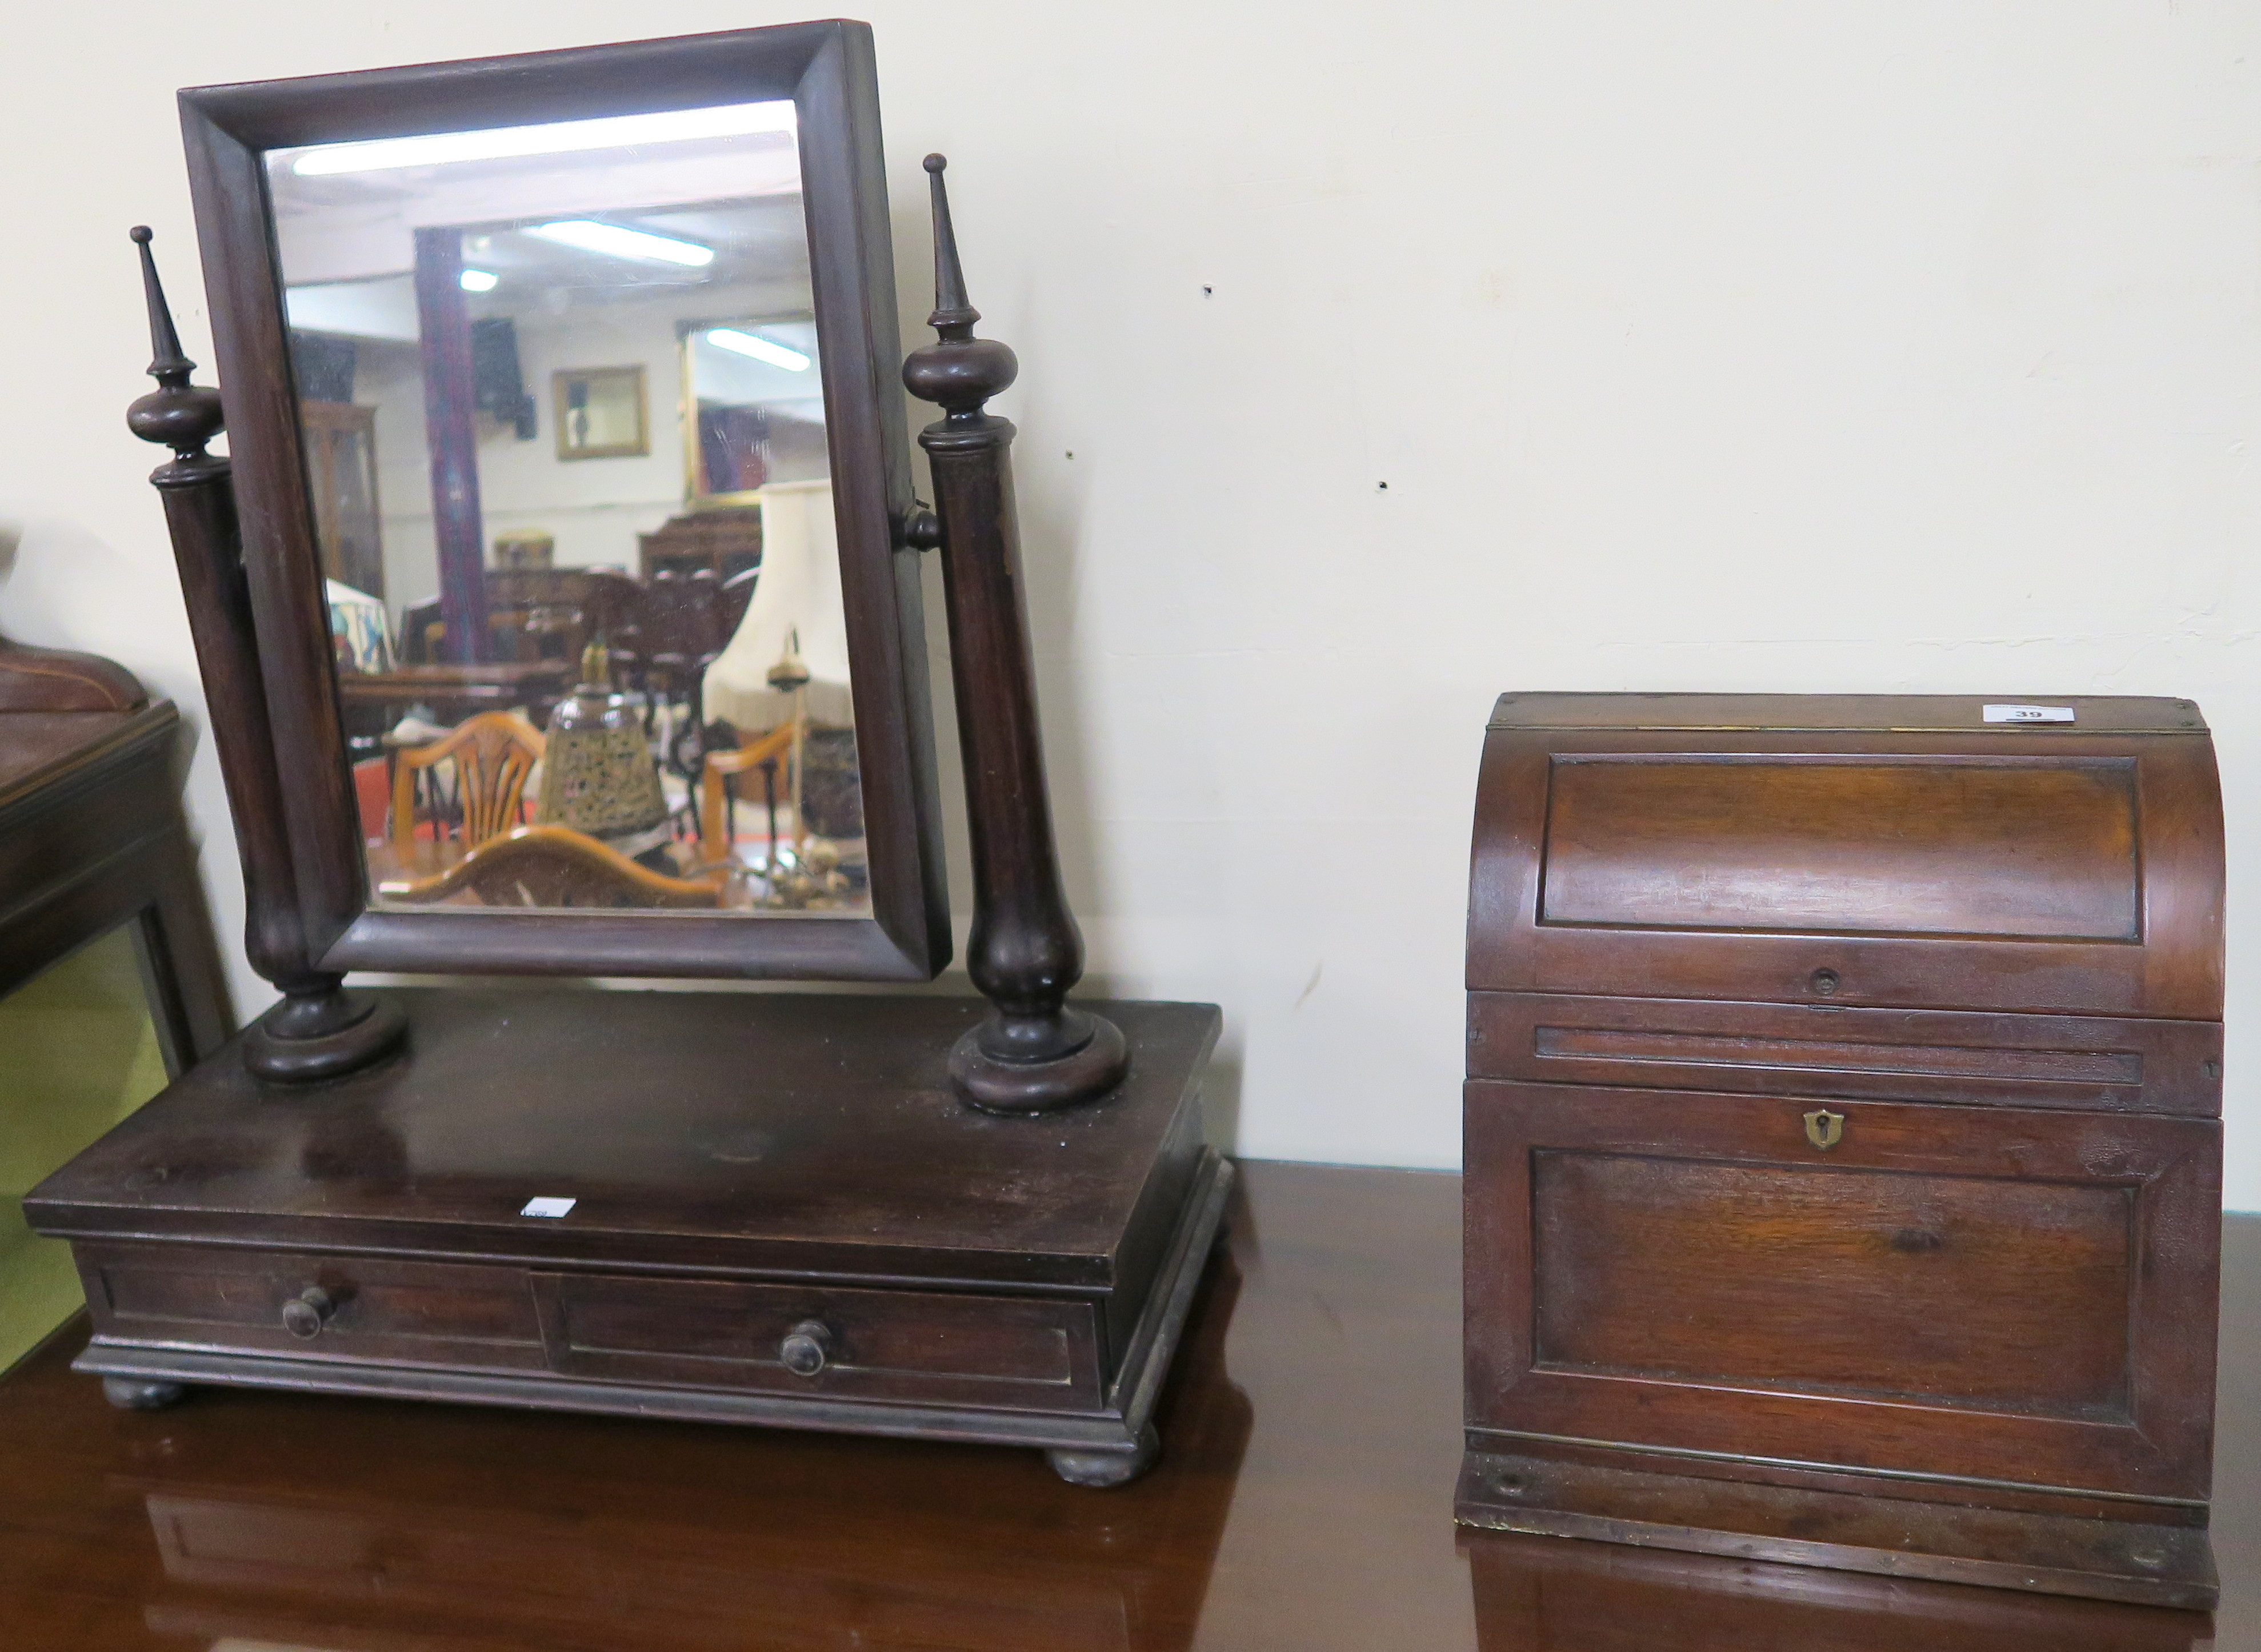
pixel 2087 1063
pixel 845 1343
pixel 311 1305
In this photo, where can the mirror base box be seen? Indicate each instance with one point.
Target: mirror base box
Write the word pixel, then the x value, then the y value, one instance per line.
pixel 1842 1134
pixel 731 1207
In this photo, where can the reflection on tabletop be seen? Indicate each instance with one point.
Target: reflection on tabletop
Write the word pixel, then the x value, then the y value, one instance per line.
pixel 592 643
pixel 1559 1594
pixel 678 1537
pixel 1303 1502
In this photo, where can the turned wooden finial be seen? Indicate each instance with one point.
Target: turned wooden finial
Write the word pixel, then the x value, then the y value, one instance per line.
pixel 169 367
pixel 181 416
pixel 958 371
pixel 954 314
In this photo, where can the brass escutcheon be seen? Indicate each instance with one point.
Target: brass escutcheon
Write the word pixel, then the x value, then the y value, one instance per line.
pixel 1825 1129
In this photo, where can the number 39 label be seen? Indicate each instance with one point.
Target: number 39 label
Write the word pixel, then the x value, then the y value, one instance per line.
pixel 2027 713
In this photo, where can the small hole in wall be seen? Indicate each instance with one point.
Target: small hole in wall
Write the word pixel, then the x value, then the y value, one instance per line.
pixel 1208 291
pixel 1071 453
pixel 1382 487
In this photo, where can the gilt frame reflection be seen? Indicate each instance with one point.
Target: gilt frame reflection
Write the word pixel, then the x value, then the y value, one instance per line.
pixel 562 405
pixel 827 70
pixel 699 492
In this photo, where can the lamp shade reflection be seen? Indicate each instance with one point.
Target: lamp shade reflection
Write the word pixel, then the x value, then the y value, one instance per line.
pixel 799 592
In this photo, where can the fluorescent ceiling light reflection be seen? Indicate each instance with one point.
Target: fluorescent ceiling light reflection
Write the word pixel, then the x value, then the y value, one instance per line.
pixel 478 281
pixel 758 347
pixel 432 149
pixel 615 242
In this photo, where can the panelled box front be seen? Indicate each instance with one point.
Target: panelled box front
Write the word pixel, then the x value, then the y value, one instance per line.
pixel 1846 1095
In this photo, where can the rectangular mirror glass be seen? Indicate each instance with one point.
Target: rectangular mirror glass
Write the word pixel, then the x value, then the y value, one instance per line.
pixel 564 431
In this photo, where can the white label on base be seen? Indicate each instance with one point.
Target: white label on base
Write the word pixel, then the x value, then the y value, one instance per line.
pixel 2027 713
pixel 548 1206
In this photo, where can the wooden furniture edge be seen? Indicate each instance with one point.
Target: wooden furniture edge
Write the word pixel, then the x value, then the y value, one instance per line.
pixel 2141 1564
pixel 1964 1491
pixel 58 780
pixel 534 1392
pixel 1857 714
pixel 1146 1357
pixel 36 679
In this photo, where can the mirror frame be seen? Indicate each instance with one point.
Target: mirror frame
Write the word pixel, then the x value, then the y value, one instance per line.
pixel 827 71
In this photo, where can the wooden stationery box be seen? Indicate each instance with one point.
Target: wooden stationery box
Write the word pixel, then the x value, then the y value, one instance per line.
pixel 1842 1134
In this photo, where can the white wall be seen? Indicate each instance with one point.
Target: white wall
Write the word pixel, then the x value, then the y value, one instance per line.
pixel 1885 344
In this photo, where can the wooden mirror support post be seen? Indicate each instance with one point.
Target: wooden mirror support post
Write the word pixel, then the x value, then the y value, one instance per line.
pixel 1033 1054
pixel 318 1030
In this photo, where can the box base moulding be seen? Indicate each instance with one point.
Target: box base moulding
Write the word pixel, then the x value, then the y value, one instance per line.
pixel 2161 1563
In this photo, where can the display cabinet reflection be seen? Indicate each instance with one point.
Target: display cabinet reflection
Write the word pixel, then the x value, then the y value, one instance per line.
pixel 561 396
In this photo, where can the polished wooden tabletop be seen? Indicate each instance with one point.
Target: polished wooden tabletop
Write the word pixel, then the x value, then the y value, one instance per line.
pixel 1303 1503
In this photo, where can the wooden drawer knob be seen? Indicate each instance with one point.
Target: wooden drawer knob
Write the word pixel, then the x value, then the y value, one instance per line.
pixel 303 1316
pixel 806 1347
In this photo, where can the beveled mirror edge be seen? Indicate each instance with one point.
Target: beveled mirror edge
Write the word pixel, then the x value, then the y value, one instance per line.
pixel 828 70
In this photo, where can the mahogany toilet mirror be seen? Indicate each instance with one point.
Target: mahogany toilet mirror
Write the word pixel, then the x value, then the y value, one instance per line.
pixel 558 612
pixel 561 614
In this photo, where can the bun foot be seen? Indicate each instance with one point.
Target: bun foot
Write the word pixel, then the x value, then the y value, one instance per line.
pixel 1108 1468
pixel 1070 1057
pixel 323 1033
pixel 132 1393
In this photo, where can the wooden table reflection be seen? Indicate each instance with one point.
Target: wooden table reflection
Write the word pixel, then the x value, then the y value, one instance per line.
pixel 1303 1504
pixel 370 703
pixel 393 862
pixel 454 692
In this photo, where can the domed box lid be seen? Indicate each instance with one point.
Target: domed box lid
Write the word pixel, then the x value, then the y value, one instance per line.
pixel 2007 852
